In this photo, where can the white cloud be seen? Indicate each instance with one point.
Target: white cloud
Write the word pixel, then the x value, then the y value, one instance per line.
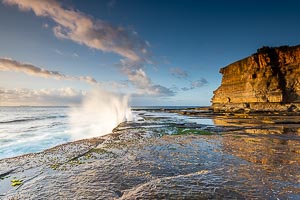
pixel 87 79
pixel 199 83
pixel 75 55
pixel 196 84
pixel 137 76
pixel 97 34
pixel 116 85
pixel 58 52
pixel 7 64
pixel 77 26
pixel 51 97
pixel 45 25
pixel 178 72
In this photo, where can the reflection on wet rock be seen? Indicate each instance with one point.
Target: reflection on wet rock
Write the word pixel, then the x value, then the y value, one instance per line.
pixel 166 156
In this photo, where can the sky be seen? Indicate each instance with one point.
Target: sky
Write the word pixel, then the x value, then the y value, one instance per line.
pixel 159 52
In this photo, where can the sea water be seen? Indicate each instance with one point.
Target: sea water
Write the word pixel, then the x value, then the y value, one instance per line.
pixel 32 129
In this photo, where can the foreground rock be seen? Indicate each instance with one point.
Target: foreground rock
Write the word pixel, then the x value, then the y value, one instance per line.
pixel 268 80
pixel 159 159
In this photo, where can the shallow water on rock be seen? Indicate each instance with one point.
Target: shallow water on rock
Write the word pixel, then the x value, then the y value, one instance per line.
pixel 168 156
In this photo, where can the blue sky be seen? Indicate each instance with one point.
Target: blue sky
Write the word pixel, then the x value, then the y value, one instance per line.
pixel 160 52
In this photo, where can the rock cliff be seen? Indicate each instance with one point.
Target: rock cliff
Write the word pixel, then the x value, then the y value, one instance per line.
pixel 268 80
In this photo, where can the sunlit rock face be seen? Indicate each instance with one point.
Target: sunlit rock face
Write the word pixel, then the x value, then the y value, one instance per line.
pixel 267 80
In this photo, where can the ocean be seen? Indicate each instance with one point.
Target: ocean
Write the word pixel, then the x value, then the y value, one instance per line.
pixel 32 129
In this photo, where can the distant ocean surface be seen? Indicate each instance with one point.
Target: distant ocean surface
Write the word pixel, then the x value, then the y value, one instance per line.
pixel 32 129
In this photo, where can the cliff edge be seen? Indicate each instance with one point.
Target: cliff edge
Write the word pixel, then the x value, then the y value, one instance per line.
pixel 268 80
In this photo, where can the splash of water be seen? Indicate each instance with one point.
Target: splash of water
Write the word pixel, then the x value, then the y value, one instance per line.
pixel 100 112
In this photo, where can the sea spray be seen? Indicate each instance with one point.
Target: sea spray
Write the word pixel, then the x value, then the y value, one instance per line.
pixel 100 112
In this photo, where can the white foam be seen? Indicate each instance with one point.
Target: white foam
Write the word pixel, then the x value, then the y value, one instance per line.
pixel 100 112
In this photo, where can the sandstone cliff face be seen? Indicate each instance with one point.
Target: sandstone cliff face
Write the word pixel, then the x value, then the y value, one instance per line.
pixel 269 78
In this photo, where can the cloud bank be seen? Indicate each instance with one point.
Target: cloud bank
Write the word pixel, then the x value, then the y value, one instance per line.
pixel 97 34
pixel 50 97
pixel 7 64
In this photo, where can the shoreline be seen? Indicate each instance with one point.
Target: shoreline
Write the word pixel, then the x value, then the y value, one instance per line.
pixel 139 156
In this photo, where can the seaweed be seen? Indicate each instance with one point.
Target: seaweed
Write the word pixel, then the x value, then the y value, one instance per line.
pixel 185 131
pixel 16 182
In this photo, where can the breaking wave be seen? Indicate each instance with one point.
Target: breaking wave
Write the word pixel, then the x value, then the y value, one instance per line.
pixel 100 112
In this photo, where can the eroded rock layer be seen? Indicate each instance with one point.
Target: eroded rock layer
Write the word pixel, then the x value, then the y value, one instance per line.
pixel 266 80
